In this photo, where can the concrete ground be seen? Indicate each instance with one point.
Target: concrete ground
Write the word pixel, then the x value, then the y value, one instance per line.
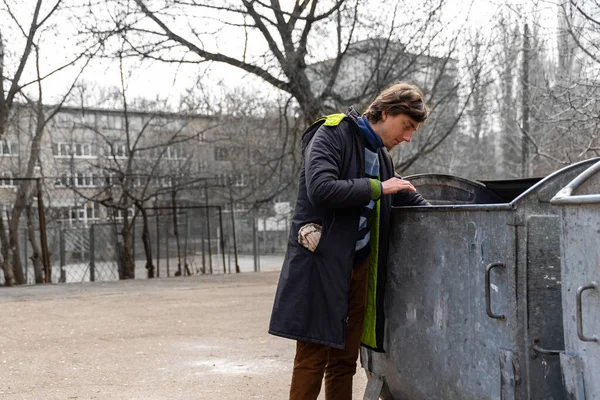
pixel 200 337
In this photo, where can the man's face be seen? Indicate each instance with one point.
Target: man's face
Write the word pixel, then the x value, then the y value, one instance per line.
pixel 396 129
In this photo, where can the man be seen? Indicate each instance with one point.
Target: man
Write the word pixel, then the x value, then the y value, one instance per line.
pixel 338 242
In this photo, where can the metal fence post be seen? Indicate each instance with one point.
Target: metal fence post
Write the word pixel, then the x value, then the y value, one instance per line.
pixel 25 234
pixel 208 229
pixel 235 254
pixel 92 254
pixel 222 241
pixel 133 245
pixel 258 246
pixel 157 245
pixel 63 258
pixel 185 243
pixel 254 250
pixel 168 255
pixel 203 250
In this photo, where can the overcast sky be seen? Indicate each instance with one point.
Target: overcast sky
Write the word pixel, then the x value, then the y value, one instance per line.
pixel 154 79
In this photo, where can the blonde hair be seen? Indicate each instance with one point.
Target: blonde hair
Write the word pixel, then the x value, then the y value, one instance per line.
pixel 400 98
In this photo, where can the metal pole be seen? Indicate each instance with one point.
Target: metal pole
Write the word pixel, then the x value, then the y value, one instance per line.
pixel 258 246
pixel 133 244
pixel 157 246
pixel 203 250
pixel 208 229
pixel 235 255
pixel 25 234
pixel 63 257
pixel 92 254
pixel 254 250
pixel 168 263
pixel 185 243
pixel 228 261
pixel 43 238
pixel 222 240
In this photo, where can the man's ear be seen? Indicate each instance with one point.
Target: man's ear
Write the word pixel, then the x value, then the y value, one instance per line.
pixel 384 115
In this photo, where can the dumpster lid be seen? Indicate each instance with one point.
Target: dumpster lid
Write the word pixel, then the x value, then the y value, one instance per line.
pixel 442 189
pixel 510 189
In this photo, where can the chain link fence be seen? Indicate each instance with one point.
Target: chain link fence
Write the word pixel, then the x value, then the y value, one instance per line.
pixel 85 239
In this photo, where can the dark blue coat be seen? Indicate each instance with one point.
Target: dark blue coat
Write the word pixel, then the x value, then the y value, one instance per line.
pixel 311 302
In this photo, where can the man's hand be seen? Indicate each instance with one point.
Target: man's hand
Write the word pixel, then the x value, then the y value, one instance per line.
pixel 394 185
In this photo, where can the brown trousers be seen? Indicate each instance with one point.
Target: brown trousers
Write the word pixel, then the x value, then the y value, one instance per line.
pixel 312 361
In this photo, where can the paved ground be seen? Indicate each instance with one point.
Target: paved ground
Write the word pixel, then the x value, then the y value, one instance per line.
pixel 201 337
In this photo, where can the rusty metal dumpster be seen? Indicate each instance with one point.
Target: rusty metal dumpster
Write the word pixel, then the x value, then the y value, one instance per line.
pixel 579 204
pixel 473 299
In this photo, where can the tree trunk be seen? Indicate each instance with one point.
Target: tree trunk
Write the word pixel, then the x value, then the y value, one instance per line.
pixel 146 241
pixel 36 258
pixel 9 278
pixel 13 239
pixel 127 250
pixel 175 231
pixel 24 195
pixel 3 105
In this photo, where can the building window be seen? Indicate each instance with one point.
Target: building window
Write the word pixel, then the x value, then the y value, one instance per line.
pixel 164 181
pixel 64 119
pixel 79 179
pixel 221 154
pixel 6 180
pixel 111 121
pixel 86 180
pixel 118 150
pixel 240 206
pixel 222 179
pixel 235 180
pixel 202 165
pixel 115 122
pixel 8 148
pixel 120 214
pixel 172 153
pixel 135 123
pixel 238 180
pixel 84 214
pixel 88 119
pixel 63 181
pixel 78 150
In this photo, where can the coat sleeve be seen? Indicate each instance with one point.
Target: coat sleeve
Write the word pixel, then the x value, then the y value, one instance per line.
pixel 408 198
pixel 323 159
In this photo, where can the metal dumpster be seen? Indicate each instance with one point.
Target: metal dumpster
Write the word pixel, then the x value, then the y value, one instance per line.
pixel 440 189
pixel 473 300
pixel 579 204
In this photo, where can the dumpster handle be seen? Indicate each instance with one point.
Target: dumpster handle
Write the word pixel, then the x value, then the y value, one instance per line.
pixel 580 291
pixel 541 350
pixel 538 349
pixel 488 295
pixel 565 195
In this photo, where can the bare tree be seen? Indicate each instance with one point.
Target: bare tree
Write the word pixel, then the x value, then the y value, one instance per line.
pixel 152 156
pixel 314 51
pixel 42 23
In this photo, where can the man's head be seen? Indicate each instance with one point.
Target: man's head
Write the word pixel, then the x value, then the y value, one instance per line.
pixel 396 113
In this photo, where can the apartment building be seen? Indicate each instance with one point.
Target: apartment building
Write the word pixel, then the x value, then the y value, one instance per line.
pixel 89 156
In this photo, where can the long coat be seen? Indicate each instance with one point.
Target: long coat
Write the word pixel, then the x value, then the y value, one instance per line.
pixel 311 302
